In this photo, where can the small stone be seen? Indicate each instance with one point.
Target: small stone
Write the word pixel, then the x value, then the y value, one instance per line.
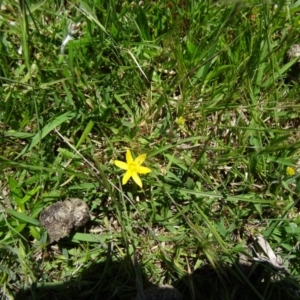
pixel 61 217
pixel 294 51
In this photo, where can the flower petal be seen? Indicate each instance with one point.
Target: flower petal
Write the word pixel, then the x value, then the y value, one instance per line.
pixel 140 159
pixel 126 177
pixel 143 170
pixel 129 158
pixel 121 164
pixel 137 179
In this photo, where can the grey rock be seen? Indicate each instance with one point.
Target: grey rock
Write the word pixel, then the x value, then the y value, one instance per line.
pixel 61 217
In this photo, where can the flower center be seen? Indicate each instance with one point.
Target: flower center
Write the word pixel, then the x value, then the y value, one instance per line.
pixel 133 167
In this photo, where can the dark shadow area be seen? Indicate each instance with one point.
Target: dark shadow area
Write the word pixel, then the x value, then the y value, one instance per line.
pixel 109 278
pixel 238 282
pixel 106 278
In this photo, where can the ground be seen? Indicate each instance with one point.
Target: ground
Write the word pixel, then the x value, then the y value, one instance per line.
pixel 205 94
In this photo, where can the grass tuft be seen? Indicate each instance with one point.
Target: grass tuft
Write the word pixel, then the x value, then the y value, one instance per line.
pixel 205 89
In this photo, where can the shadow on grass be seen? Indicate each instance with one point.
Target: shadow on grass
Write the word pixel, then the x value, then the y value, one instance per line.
pixel 99 280
pixel 117 280
pixel 238 283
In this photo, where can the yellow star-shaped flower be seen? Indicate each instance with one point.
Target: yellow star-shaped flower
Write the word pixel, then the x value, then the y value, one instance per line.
pixel 290 171
pixel 180 121
pixel 133 168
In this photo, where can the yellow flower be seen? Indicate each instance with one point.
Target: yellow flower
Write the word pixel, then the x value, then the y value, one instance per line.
pixel 290 171
pixel 180 121
pixel 133 167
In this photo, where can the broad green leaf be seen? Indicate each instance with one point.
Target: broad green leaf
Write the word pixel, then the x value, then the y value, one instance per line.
pixel 29 194
pixel 16 192
pixel 142 24
pixel 34 232
pixel 92 238
pixel 85 133
pixel 23 217
pixel 47 129
pixel 8 162
pixel 19 135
